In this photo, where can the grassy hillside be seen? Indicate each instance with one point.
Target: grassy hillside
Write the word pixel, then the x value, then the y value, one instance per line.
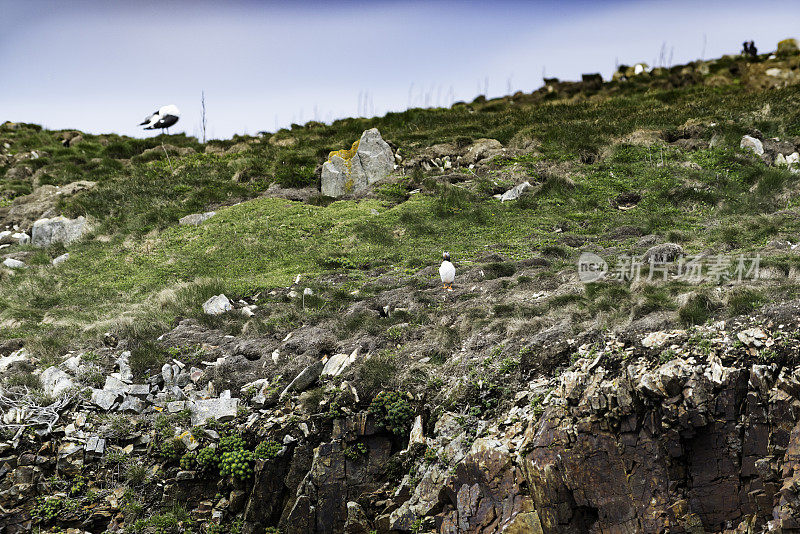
pixel 581 150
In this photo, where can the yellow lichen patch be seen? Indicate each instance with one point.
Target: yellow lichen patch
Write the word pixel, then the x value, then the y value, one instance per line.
pixel 347 156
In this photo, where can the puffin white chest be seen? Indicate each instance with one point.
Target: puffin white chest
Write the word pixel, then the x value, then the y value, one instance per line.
pixel 447 271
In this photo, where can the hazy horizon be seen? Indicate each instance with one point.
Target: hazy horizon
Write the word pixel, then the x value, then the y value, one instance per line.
pixel 103 66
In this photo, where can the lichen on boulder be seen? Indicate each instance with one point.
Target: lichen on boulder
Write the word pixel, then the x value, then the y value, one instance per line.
pixel 348 171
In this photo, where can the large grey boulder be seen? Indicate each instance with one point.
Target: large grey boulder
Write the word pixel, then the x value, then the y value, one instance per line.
pixel 351 171
pixel 59 229
pixel 220 409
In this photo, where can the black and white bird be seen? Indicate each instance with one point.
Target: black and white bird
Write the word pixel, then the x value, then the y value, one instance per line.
pixel 165 117
pixel 447 272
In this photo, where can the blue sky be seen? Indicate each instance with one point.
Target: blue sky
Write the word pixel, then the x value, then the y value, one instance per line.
pixel 103 66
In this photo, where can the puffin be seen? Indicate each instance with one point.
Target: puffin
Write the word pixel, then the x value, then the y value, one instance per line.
pixel 165 117
pixel 447 272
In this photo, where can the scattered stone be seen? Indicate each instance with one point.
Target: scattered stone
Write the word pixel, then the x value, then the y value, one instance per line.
pixel 139 390
pixel 116 385
pixel 337 363
pixel 95 445
pixel 657 339
pixel 755 337
pixel 61 259
pixel 20 355
pixel 220 409
pixel 59 229
pixel 167 374
pixel 482 149
pixel 515 192
pixel 11 263
pixel 185 475
pixel 196 219
pixel 9 237
pixel 104 399
pixel 189 440
pixel 308 376
pixel 663 253
pixel 217 305
pixel 182 378
pixel 69 449
pixel 751 143
pixel 55 382
pixel 125 372
pixel 176 406
pixel 416 435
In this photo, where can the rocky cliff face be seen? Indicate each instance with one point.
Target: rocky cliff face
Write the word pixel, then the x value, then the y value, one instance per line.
pixel 705 442
pixel 681 431
pixel 370 400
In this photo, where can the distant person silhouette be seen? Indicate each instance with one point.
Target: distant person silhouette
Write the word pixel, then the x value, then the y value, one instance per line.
pixel 749 49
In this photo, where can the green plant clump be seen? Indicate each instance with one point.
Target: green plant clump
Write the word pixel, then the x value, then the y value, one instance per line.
pixel 237 464
pixel 206 458
pixel 392 411
pixel 268 449
pixel 355 452
pixel 188 460
pixel 48 508
pixel 231 443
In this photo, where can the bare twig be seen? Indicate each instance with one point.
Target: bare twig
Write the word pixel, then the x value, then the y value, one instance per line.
pixel 203 105
pixel 29 412
pixel 167 153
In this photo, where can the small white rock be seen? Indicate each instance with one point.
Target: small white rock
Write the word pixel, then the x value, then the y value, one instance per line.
pixel 217 305
pixel 751 143
pixel 61 259
pixel 11 263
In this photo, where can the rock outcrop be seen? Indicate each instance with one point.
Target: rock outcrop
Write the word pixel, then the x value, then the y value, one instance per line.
pixel 701 443
pixel 41 203
pixel 350 171
pixel 59 229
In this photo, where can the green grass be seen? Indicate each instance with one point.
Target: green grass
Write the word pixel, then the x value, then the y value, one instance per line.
pixel 139 264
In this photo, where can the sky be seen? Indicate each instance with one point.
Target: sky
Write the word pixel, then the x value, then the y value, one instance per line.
pixel 102 66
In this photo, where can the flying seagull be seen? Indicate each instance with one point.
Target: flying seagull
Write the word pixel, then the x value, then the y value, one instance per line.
pixel 165 117
pixel 447 271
